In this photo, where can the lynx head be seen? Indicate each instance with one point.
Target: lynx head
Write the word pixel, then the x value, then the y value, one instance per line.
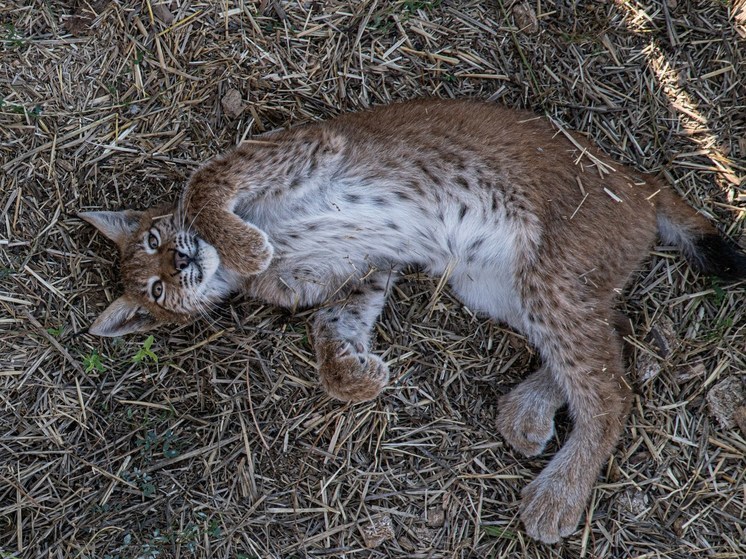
pixel 169 273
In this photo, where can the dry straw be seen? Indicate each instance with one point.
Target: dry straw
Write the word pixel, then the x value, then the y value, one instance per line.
pixel 226 447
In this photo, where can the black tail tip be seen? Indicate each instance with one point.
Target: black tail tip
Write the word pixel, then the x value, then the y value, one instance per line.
pixel 716 256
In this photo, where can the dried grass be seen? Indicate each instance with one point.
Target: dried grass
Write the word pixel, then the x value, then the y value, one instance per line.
pixel 226 447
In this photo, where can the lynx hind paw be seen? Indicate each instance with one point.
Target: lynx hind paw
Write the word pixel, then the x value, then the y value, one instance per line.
pixel 247 254
pixel 527 425
pixel 551 508
pixel 353 376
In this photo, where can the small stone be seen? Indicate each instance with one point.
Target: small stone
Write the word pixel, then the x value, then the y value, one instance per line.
pixel 647 367
pixel 678 526
pixel 689 373
pixel 724 399
pixel 406 544
pixel 525 18
pixel 162 12
pixel 663 335
pixel 435 517
pixel 739 417
pixel 232 103
pixel 633 502
pixel 377 531
pixel 425 535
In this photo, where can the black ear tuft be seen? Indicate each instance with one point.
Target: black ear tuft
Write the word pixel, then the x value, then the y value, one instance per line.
pixel 717 256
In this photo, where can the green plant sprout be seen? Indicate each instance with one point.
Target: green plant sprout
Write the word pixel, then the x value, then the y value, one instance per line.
pixel 92 362
pixel 145 352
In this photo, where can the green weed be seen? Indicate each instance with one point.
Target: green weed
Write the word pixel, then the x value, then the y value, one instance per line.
pixel 92 362
pixel 145 352
pixel 11 37
pixel 15 108
pixel 167 444
pixel 142 480
pixel 498 532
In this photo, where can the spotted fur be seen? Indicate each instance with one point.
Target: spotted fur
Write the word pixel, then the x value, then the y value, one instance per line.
pixel 526 227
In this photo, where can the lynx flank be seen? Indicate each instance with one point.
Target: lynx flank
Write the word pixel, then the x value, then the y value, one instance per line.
pixel 528 228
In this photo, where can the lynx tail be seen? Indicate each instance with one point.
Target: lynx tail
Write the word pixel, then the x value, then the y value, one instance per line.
pixel 702 245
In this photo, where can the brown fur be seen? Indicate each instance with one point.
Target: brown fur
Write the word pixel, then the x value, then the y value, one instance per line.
pixel 529 229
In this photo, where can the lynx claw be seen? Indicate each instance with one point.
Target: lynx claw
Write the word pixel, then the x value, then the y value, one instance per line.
pixel 349 347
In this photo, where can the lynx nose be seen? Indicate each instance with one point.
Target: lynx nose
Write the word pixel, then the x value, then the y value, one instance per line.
pixel 181 260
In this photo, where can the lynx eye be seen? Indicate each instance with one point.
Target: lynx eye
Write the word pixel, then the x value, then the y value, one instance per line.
pixel 156 290
pixel 153 240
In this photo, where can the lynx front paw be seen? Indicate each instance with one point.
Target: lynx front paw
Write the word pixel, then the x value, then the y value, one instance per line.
pixel 525 421
pixel 351 375
pixel 551 507
pixel 247 254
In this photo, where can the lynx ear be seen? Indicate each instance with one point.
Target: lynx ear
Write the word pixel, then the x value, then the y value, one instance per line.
pixel 123 316
pixel 116 226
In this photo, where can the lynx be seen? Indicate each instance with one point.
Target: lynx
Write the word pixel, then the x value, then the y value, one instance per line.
pixel 529 228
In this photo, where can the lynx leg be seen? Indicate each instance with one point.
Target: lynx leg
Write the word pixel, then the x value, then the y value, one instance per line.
pixel 585 356
pixel 342 333
pixel 526 414
pixel 206 206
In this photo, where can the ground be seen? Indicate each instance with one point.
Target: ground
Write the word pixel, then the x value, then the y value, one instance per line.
pixel 214 439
